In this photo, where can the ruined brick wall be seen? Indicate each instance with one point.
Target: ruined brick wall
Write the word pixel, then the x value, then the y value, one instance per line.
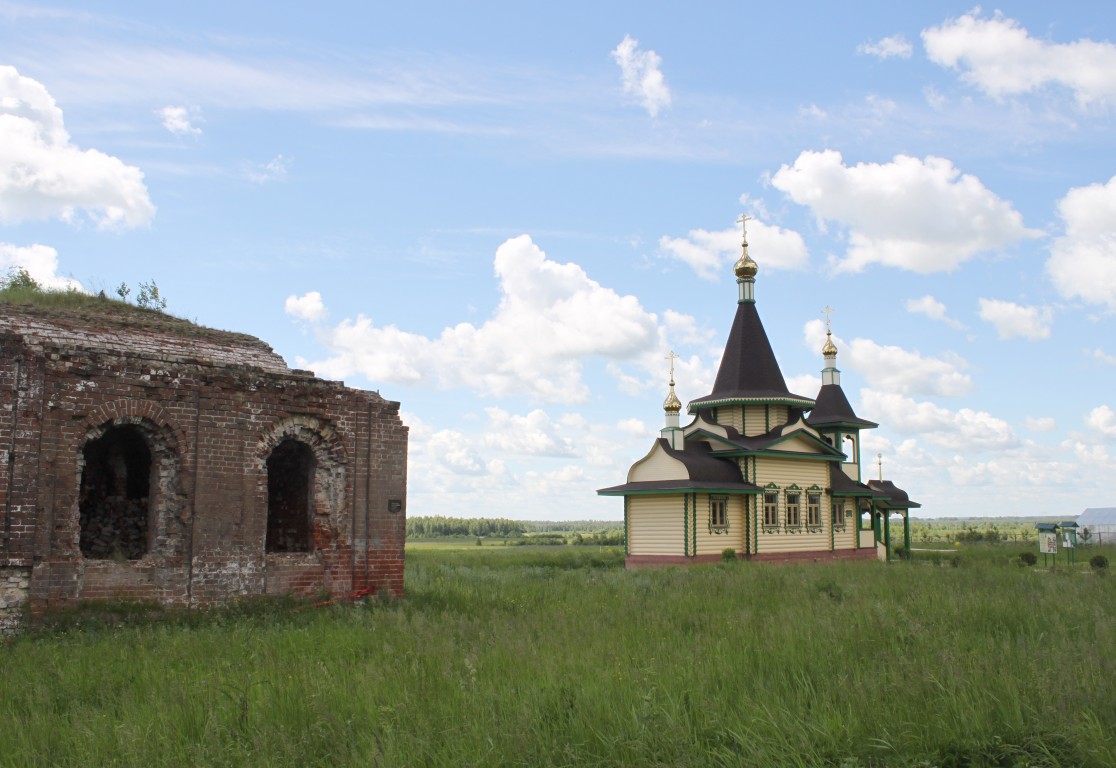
pixel 207 428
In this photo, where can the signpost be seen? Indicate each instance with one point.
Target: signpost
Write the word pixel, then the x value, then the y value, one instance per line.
pixel 1048 541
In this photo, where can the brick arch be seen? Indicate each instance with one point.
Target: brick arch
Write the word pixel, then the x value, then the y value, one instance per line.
pixel 122 412
pixel 329 479
pixel 168 510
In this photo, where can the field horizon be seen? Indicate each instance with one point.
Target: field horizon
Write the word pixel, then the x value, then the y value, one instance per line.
pixel 531 655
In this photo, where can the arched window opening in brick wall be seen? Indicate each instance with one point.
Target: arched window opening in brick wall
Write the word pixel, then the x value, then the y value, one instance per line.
pixel 290 495
pixel 114 503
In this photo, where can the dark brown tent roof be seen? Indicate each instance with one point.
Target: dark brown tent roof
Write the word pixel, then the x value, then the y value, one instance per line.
pixel 749 371
pixel 832 409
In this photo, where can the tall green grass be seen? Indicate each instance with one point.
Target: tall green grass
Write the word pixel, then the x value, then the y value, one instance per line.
pixel 520 657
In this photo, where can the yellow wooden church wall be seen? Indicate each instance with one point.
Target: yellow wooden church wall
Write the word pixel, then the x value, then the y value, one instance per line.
pixel 709 543
pixel 658 465
pixel 804 474
pixel 655 525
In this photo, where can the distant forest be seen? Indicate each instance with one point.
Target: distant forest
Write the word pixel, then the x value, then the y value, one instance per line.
pixel 533 531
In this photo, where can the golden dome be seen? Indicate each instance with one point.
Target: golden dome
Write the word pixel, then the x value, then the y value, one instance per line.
pixel 745 266
pixel 672 404
pixel 830 348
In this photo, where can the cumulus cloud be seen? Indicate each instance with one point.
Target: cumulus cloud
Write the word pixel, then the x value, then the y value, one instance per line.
pixel 711 253
pixel 1101 356
pixel 1082 262
pixel 893 45
pixel 179 121
pixel 41 263
pixel 804 384
pixel 1102 419
pixel 1041 424
pixel 961 430
pixel 998 56
pixel 550 318
pixel 921 215
pixel 1015 321
pixel 308 307
pixel 640 75
pixel 934 309
pixel 894 369
pixel 43 175
pixel 534 434
pixel 274 169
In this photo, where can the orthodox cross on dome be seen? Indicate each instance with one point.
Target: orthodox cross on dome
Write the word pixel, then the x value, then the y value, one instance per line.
pixel 671 357
pixel 743 222
pixel 827 311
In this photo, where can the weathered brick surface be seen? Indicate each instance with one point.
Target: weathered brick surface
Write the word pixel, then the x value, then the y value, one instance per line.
pixel 210 407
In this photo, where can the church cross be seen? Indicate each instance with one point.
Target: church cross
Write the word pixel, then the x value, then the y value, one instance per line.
pixel 743 222
pixel 827 312
pixel 671 357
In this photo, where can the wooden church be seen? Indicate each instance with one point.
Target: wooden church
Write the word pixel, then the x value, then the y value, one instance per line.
pixel 760 470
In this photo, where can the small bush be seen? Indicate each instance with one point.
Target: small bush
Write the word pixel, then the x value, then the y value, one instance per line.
pixel 1028 558
pixel 1099 562
pixel 728 555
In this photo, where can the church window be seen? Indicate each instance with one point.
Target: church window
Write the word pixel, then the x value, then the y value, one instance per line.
pixel 813 509
pixel 794 517
pixel 718 513
pixel 771 509
pixel 852 454
pixel 114 495
pixel 290 481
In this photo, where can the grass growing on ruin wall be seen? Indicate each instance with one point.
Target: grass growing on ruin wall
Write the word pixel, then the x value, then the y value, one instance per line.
pixel 513 656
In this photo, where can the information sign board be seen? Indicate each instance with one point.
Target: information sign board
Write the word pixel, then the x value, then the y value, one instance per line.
pixel 1048 543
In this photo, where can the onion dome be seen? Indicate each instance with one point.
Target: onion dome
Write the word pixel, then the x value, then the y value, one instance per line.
pixel 672 404
pixel 745 266
pixel 830 348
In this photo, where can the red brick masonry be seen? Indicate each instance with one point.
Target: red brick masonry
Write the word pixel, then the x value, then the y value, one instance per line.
pixel 652 561
pixel 210 407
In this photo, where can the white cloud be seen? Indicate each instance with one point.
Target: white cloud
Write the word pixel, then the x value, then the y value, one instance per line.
pixel 806 384
pixel 41 263
pixel 1041 424
pixel 640 75
pixel 550 318
pixel 1000 57
pixel 635 428
pixel 711 253
pixel 893 45
pixel 308 307
pixel 274 169
pixel 934 97
pixel 1082 262
pixel 894 369
pixel 43 175
pixel 534 434
pixel 178 120
pixel 934 309
pixel 961 430
pixel 921 215
pixel 1015 321
pixel 1102 419
pixel 1100 355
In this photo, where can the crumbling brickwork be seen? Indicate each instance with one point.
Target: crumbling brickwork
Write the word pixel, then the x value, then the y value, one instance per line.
pixel 137 450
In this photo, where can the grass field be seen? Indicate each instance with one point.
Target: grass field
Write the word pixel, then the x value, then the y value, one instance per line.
pixel 520 656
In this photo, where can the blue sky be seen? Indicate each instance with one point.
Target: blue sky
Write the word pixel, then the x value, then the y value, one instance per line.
pixel 505 216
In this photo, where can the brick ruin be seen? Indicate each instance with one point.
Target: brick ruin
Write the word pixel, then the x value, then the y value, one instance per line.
pixel 147 458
